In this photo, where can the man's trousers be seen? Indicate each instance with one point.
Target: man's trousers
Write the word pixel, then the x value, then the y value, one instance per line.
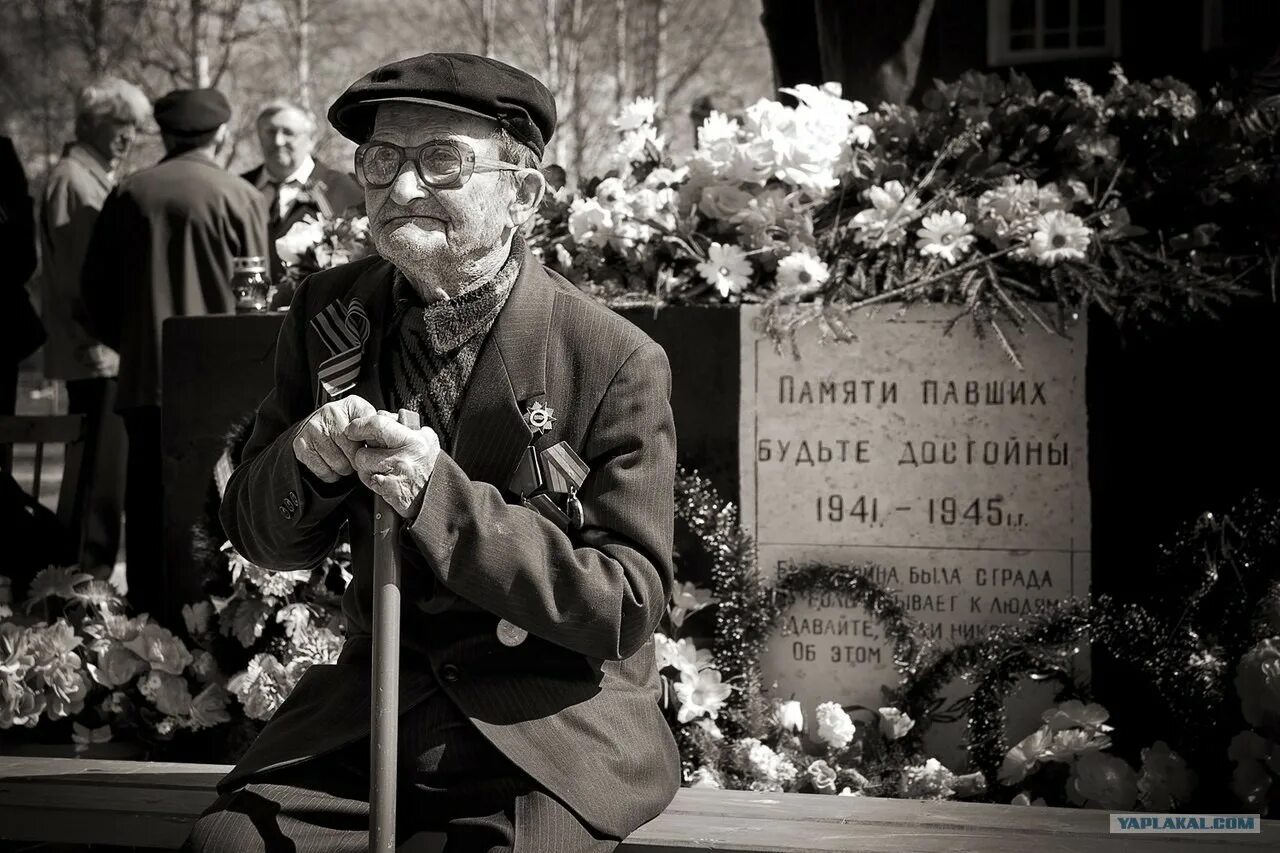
pixel 452 780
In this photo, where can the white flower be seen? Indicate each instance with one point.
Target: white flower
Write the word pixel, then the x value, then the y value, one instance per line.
pixel 589 222
pixel 823 777
pixel 636 114
pixel 700 694
pixel 709 726
pixel 717 127
pixel 1058 237
pixel 894 723
pixel 945 235
pixel 563 258
pixel 835 726
pixel 635 144
pixel 294 617
pixel 886 221
pixel 612 194
pixel 705 777
pixel 662 178
pixel 299 239
pixel 802 272
pixel 727 268
pixel 931 781
pixel 1075 714
pixel 791 716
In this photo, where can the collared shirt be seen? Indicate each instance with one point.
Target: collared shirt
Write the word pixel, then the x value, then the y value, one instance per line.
pixel 287 190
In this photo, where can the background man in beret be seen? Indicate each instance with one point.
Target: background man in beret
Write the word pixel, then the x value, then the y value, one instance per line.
pixel 294 185
pixel 529 713
pixel 163 246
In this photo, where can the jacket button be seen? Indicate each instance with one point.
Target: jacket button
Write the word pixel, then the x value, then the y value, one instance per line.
pixel 449 674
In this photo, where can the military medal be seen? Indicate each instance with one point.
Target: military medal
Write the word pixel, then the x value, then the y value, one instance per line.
pixel 511 635
pixel 540 418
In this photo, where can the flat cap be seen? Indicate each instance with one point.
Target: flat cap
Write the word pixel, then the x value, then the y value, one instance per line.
pixel 191 112
pixel 464 82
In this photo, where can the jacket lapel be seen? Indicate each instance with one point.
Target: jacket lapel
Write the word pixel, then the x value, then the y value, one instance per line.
pixel 373 289
pixel 510 370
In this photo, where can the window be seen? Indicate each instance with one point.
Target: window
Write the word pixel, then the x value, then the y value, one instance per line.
pixel 1045 30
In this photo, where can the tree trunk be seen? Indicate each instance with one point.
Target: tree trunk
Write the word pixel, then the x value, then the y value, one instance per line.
pixel 660 51
pixel 620 52
pixel 304 54
pixel 579 115
pixel 489 18
pixel 552 33
pixel 199 58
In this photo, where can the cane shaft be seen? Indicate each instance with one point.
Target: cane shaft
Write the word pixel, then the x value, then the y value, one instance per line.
pixel 385 723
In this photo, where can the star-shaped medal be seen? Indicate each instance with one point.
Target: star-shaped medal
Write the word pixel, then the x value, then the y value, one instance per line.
pixel 540 418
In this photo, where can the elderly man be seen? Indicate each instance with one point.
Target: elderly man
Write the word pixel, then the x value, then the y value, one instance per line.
pixel 293 183
pixel 537 500
pixel 162 247
pixel 109 113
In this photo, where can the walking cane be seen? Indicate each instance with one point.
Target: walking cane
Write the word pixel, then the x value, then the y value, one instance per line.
pixel 385 723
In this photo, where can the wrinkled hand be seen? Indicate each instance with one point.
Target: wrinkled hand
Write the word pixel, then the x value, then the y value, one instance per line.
pixel 395 461
pixel 321 445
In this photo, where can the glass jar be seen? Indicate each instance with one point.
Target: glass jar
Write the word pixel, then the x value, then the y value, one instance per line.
pixel 250 285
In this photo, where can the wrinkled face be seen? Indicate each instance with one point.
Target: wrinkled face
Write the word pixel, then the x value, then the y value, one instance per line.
pixel 436 231
pixel 112 138
pixel 286 138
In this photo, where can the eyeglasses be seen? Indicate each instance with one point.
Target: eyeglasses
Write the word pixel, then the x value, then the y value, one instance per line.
pixel 441 163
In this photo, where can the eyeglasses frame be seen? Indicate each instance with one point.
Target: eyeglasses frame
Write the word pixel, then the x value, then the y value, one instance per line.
pixel 469 163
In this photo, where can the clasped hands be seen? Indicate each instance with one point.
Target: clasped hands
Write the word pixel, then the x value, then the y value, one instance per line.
pixel 350 436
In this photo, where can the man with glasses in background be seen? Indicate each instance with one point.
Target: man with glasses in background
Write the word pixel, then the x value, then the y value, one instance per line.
pixel 294 185
pixel 537 500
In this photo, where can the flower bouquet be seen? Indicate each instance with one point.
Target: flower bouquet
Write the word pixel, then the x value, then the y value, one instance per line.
pixel 73 664
pixel 319 243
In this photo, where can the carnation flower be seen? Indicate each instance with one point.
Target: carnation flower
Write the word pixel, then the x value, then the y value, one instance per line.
pixel 928 781
pixel 1026 756
pixel 822 777
pixel 790 716
pixel 1069 743
pixel 302 237
pixel 636 114
pixel 717 127
pixel 313 646
pixel 723 201
pixel 835 726
pixel 273 583
pixel 294 617
pixel 1258 684
pixel 945 235
pixel 1102 781
pixel 639 145
pixel 727 268
pixel 701 693
pixel 1165 781
pixel 886 221
pixel 167 692
pixel 160 648
pixel 894 723
pixel 759 761
pixel 589 222
pixel 116 666
pixel 1076 714
pixel 1058 237
pixel 802 273
pixel 705 777
pixel 262 687
pixel 209 708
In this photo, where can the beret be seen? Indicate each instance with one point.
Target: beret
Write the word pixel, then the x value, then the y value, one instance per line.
pixel 190 112
pixel 464 82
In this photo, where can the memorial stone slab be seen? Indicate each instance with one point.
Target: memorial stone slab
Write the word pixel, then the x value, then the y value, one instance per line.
pixel 933 461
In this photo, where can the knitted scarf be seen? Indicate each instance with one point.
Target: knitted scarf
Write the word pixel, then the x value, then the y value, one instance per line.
pixel 437 344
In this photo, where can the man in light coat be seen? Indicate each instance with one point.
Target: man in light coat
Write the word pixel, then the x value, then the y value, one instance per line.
pixel 109 113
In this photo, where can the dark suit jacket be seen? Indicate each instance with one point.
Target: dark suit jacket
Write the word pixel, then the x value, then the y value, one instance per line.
pixel 327 193
pixel 575 705
pixel 162 247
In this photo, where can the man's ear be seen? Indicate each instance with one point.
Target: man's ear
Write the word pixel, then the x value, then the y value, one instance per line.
pixel 530 188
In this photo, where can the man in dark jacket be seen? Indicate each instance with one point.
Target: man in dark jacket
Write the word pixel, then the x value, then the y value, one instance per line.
pixel 537 500
pixel 294 185
pixel 163 246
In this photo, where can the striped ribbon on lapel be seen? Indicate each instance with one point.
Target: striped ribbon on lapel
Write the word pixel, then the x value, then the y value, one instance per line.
pixel 343 334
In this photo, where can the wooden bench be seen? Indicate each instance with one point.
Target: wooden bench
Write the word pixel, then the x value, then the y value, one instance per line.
pixel 145 804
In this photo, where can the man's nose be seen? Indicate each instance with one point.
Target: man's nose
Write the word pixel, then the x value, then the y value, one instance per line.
pixel 280 140
pixel 407 187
